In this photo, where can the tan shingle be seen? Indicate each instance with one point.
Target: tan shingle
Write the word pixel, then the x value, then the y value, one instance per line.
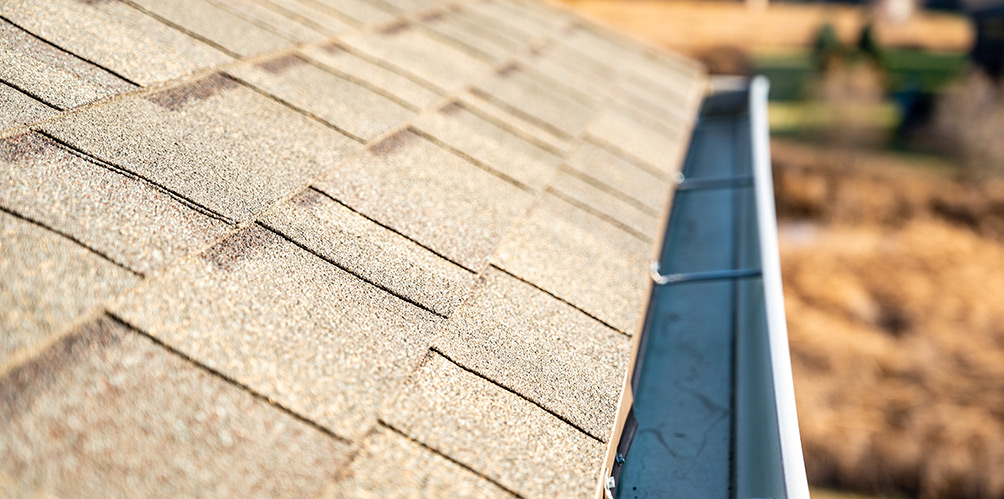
pixel 370 251
pixel 311 15
pixel 516 35
pixel 582 259
pixel 430 195
pixel 105 412
pixel 128 220
pixel 420 54
pixel 214 141
pixel 48 281
pixel 115 36
pixel 357 110
pixel 58 78
pixel 620 174
pixel 361 12
pixel 422 240
pixel 538 99
pixel 519 124
pixel 391 465
pixel 490 144
pixel 639 137
pixel 495 432
pixel 406 90
pixel 18 109
pixel 287 324
pixel 204 19
pixel 527 20
pixel 642 222
pixel 270 19
pixel 545 350
pixel 471 36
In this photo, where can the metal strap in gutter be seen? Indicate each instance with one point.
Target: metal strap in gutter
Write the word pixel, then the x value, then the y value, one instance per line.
pixel 795 482
pixel 708 275
pixel 695 184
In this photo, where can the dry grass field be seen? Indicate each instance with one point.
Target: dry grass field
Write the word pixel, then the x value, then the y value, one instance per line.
pixel 893 281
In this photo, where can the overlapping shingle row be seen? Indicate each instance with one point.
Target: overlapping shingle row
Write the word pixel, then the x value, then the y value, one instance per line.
pixel 376 247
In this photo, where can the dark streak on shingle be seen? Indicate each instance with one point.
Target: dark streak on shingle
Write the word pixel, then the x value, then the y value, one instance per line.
pixel 451 109
pixel 391 144
pixel 236 247
pixel 395 28
pixel 176 98
pixel 19 147
pixel 508 69
pixel 23 384
pixel 308 198
pixel 279 65
pixel 432 17
pixel 333 48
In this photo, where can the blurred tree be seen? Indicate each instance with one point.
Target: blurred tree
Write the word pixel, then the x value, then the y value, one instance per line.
pixel 827 47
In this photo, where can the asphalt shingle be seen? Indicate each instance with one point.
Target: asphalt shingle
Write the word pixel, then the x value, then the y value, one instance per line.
pixel 370 251
pixel 19 109
pixel 582 259
pixel 128 220
pixel 106 412
pixel 518 124
pixel 270 19
pixel 362 12
pixel 471 36
pixel 214 141
pixel 421 54
pixel 204 19
pixel 490 144
pixel 519 17
pixel 574 70
pixel 287 324
pixel 48 281
pixel 639 137
pixel 114 35
pixel 535 345
pixel 430 195
pixel 642 222
pixel 539 100
pixel 57 77
pixel 357 110
pixel 515 35
pixel 391 465
pixel 495 432
pixel 406 90
pixel 310 15
pixel 620 174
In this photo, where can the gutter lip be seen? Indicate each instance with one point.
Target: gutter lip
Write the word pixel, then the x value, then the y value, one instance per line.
pixel 792 460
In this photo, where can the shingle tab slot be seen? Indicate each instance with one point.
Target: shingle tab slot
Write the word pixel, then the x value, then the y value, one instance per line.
pixel 494 432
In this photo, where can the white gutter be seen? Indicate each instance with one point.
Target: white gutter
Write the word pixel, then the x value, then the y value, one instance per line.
pixel 792 462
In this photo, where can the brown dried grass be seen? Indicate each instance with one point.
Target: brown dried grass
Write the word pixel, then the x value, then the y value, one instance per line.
pixel 896 319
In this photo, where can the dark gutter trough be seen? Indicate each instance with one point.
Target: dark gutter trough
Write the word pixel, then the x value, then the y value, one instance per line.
pixel 714 408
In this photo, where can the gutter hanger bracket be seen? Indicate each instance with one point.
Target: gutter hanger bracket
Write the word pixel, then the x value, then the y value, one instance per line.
pixel 710 275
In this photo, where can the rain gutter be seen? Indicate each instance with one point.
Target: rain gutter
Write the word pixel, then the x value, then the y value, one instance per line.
pixel 708 406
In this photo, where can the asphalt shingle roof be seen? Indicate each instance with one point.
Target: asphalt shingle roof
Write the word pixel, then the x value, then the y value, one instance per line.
pixel 299 247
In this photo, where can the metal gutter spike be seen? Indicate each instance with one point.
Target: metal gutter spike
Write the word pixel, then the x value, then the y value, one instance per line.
pixel 710 275
pixel 695 184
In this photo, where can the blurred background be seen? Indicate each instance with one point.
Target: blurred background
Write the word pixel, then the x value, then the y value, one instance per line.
pixel 887 120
